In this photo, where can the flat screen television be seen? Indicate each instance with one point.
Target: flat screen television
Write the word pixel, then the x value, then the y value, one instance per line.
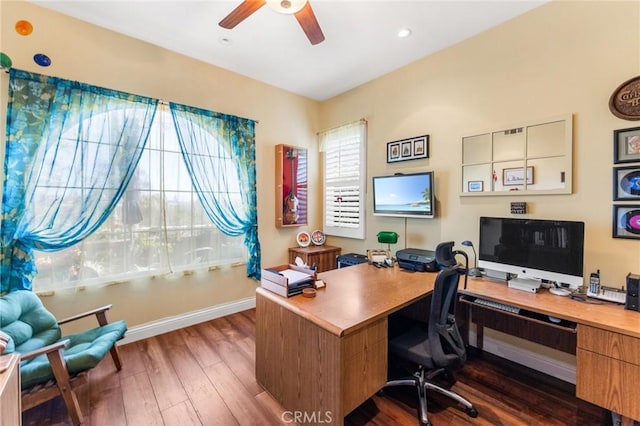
pixel 551 250
pixel 404 195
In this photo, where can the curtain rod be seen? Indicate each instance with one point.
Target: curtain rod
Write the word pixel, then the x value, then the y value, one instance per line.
pixel 362 120
pixel 163 102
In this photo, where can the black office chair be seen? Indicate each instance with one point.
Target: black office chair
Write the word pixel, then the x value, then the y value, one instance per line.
pixel 438 349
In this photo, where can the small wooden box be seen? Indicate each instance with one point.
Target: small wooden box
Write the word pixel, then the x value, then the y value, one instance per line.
pixel 323 256
pixel 279 284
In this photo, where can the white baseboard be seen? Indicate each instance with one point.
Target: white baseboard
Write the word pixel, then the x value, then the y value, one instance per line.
pixel 165 325
pixel 537 361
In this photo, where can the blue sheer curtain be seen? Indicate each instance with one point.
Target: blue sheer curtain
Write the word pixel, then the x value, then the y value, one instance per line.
pixel 71 151
pixel 216 147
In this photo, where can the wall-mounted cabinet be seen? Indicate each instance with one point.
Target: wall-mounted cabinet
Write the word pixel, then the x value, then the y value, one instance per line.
pixel 531 158
pixel 291 186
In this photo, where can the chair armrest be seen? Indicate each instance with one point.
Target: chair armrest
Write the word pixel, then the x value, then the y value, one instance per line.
pixel 46 349
pixel 98 312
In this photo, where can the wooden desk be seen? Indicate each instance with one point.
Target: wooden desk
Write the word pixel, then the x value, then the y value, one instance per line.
pixel 322 357
pixel 608 343
pixel 10 408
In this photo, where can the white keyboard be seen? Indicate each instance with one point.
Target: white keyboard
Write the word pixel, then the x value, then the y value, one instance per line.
pixel 497 305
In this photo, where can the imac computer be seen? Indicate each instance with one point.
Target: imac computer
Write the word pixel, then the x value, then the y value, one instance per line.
pixel 535 250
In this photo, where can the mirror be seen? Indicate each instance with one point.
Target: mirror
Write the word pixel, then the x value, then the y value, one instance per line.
pixel 534 158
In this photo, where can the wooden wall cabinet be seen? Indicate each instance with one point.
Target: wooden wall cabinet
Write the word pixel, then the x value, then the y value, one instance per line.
pixel 291 186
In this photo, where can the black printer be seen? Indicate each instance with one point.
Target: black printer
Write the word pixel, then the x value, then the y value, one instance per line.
pixel 417 260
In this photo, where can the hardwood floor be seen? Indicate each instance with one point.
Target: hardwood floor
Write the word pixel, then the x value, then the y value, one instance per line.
pixel 205 375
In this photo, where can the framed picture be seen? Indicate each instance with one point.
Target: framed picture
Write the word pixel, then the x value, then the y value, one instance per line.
pixel 408 149
pixel 515 176
pixel 626 221
pixel 393 152
pixel 626 183
pixel 475 186
pixel 626 145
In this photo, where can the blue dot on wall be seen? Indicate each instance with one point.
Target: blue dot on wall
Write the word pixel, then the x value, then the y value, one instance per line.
pixel 42 59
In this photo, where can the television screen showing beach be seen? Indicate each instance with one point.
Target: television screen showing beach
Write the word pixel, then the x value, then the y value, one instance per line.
pixel 402 194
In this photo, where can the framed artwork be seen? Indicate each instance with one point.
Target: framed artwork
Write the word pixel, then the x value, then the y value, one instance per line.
pixel 291 186
pixel 515 176
pixel 393 152
pixel 475 186
pixel 408 149
pixel 626 221
pixel 626 183
pixel 626 145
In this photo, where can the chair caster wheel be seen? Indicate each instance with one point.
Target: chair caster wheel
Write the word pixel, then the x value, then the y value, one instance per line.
pixel 380 392
pixel 472 412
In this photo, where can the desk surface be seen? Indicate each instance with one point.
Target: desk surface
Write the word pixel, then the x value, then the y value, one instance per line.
pixel 608 316
pixel 357 295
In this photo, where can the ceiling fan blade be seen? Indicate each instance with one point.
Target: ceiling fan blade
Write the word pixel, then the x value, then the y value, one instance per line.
pixel 309 24
pixel 240 13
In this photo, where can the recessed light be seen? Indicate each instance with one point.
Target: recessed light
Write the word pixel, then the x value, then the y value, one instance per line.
pixel 225 41
pixel 405 32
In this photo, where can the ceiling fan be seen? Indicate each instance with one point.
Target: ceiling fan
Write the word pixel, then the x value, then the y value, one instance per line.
pixel 300 8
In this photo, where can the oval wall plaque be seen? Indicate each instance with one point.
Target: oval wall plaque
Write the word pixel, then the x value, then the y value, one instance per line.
pixel 625 101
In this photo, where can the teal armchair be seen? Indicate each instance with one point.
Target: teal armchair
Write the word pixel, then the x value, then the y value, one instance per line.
pixel 53 365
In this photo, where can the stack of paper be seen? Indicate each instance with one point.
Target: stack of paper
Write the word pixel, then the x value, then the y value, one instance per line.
pixel 296 277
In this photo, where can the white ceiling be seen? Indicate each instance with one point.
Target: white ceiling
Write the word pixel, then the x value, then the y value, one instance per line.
pixel 360 35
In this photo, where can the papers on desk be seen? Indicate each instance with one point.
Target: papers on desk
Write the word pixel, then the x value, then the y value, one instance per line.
pixel 295 277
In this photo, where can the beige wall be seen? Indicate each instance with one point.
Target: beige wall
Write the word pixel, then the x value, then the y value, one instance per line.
pixel 564 57
pixel 83 52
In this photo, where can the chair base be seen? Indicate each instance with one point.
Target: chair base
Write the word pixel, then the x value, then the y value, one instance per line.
pixel 422 383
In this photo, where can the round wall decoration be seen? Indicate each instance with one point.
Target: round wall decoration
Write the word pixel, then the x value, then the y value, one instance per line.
pixel 42 59
pixel 303 239
pixel 625 100
pixel 317 237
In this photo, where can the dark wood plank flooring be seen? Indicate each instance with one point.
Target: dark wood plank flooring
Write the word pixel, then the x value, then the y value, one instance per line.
pixel 205 375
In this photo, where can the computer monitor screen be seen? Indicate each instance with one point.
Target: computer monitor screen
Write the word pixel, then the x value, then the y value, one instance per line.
pixel 551 250
pixel 404 195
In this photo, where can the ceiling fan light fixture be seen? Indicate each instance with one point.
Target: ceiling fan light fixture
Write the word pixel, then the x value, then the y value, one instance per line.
pixel 288 7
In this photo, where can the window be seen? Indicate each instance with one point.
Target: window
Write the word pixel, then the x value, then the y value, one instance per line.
pixel 344 169
pixel 159 225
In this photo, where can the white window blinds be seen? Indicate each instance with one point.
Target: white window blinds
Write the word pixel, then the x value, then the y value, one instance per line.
pixel 344 181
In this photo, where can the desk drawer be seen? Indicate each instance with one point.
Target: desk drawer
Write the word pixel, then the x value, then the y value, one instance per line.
pixel 614 345
pixel 608 383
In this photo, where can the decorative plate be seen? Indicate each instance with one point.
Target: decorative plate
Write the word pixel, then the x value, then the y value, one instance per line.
pixel 318 237
pixel 303 239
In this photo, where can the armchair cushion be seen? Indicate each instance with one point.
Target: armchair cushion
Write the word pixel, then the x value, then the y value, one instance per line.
pixel 29 325
pixel 86 349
